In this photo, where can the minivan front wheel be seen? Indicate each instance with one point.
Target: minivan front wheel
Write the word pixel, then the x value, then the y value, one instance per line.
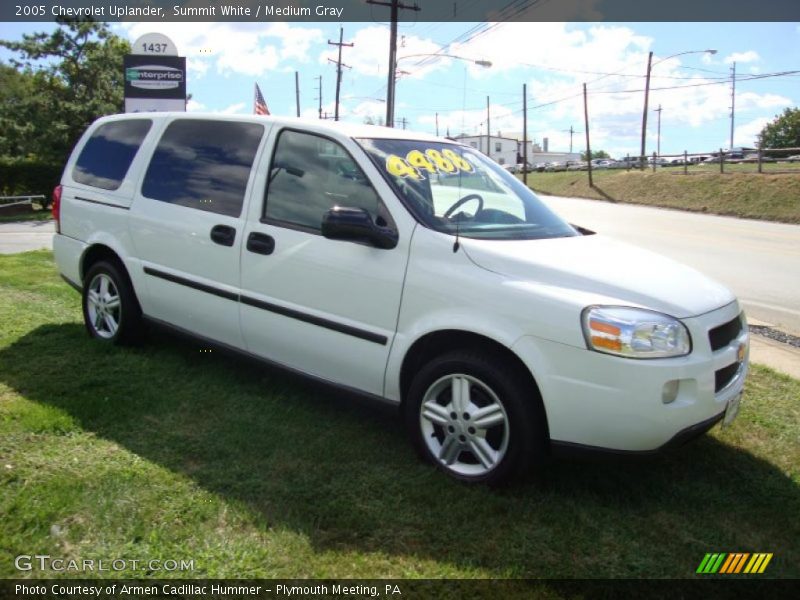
pixel 110 309
pixel 474 418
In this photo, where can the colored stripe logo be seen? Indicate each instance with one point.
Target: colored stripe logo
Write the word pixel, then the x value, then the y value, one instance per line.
pixel 734 563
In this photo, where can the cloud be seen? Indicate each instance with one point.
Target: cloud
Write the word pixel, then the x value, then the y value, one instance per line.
pixel 612 60
pixel 369 55
pixel 742 57
pixel 746 100
pixel 195 106
pixel 747 133
pixel 233 109
pixel 234 48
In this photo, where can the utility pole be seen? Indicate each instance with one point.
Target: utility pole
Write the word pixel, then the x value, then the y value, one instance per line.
pixel 339 66
pixel 319 97
pixel 488 130
pixel 644 113
pixel 297 91
pixel 437 124
pixel 571 131
pixel 404 122
pixel 733 100
pixel 396 6
pixel 525 133
pixel 658 110
pixel 588 146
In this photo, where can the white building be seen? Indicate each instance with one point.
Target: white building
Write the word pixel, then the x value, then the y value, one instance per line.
pixel 502 150
pixel 508 150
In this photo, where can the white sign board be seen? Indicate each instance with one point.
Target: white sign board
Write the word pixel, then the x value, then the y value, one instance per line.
pixel 155 76
pixel 154 43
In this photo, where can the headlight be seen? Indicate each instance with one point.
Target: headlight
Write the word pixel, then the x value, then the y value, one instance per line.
pixel 634 332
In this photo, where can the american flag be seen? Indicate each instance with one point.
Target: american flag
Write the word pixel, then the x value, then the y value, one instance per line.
pixel 260 105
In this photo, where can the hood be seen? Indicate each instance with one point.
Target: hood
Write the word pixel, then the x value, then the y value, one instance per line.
pixel 597 265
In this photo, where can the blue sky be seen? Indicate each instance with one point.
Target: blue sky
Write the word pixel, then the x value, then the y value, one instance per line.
pixel 554 59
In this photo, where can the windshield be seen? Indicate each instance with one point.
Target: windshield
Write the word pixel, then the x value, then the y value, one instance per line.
pixel 453 189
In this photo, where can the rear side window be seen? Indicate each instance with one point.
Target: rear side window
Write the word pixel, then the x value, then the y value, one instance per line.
pixel 107 156
pixel 203 164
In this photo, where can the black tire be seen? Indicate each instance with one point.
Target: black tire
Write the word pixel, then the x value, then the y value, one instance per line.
pixel 99 317
pixel 518 439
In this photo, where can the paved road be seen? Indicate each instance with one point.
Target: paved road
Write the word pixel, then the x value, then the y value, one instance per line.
pixel 26 235
pixel 759 261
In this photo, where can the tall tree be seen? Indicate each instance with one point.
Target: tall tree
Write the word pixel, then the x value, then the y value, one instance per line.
pixel 74 75
pixel 783 131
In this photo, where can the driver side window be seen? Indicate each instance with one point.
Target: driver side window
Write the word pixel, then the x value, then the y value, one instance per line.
pixel 311 174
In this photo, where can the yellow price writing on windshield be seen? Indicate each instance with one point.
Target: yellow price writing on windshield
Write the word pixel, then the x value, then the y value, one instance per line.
pixel 416 163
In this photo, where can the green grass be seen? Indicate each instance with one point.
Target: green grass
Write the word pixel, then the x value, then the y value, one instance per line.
pixel 166 452
pixel 741 192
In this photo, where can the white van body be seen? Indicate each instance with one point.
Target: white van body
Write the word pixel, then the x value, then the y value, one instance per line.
pixel 371 318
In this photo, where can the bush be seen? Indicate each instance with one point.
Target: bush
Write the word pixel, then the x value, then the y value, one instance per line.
pixel 28 176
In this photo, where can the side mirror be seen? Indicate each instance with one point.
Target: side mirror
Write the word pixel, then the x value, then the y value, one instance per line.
pixel 582 230
pixel 356 225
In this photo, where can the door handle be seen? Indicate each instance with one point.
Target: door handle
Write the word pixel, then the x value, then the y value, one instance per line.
pixel 260 243
pixel 224 235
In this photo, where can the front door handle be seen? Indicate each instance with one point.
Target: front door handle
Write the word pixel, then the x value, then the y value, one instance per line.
pixel 224 235
pixel 260 243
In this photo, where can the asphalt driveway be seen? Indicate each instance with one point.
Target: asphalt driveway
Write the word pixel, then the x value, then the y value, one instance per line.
pixel 22 236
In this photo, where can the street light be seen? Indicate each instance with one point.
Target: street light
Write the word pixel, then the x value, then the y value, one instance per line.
pixel 650 65
pixel 390 94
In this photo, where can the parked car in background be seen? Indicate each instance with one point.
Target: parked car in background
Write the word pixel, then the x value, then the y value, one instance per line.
pixel 628 162
pixel 791 159
pixel 602 163
pixel 753 158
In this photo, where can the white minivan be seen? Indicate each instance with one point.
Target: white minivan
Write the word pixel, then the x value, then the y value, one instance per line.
pixel 404 267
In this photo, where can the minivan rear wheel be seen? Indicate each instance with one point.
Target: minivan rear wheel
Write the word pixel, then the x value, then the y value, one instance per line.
pixel 111 311
pixel 475 418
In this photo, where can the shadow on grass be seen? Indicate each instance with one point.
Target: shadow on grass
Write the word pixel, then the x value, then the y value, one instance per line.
pixel 341 472
pixel 607 197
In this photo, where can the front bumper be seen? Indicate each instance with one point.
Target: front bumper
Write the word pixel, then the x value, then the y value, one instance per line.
pixel 610 403
pixel 572 450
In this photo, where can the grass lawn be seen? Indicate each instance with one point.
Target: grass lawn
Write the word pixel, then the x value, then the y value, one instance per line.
pixel 738 192
pixel 168 452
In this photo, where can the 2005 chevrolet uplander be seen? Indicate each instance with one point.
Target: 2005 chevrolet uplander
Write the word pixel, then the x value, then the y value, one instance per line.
pixel 402 266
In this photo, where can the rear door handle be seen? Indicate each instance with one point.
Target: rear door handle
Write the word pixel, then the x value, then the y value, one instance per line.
pixel 224 235
pixel 260 243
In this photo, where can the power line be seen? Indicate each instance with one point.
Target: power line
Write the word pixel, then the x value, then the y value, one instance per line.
pixel 507 13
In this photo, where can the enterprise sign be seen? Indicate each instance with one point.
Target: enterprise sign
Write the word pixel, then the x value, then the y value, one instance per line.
pixel 154 77
pixel 154 82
